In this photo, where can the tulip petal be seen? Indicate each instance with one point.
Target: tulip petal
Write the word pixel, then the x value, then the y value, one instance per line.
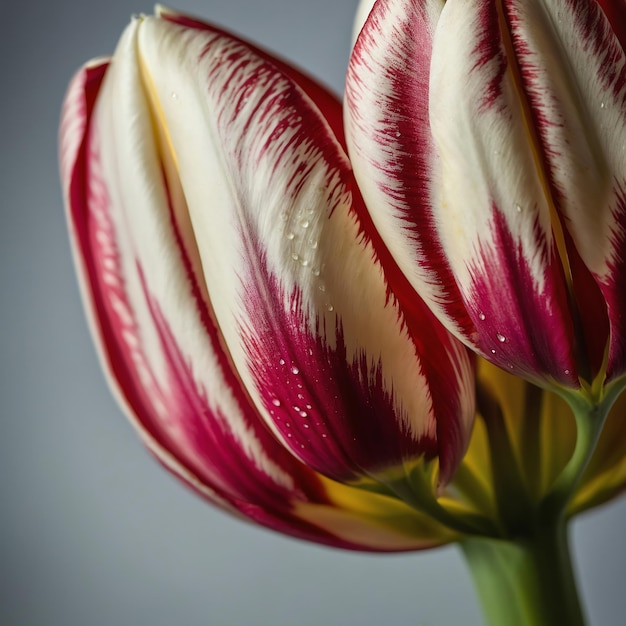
pixel 157 336
pixel 302 303
pixel 572 70
pixel 362 13
pixel 442 156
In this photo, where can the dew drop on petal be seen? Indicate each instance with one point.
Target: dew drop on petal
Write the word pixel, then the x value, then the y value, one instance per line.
pixel 501 337
pixel 290 236
pixel 481 316
pixel 295 370
pixel 276 402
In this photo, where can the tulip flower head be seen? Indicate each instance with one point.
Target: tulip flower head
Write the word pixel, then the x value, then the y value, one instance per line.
pixel 305 326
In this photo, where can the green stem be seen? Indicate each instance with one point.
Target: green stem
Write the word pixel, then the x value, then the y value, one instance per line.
pixel 528 581
pixel 590 419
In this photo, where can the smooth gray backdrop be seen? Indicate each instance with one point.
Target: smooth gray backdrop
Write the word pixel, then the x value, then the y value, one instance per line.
pixel 92 531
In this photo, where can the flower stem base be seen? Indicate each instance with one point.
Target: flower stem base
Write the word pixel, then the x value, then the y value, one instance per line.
pixel 528 581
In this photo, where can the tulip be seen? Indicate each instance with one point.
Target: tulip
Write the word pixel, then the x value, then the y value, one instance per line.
pixel 488 141
pixel 240 299
pixel 288 328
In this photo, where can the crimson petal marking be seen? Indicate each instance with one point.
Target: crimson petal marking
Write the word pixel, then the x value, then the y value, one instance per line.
pixel 615 11
pixel 572 67
pixel 120 342
pixel 282 192
pixel 390 144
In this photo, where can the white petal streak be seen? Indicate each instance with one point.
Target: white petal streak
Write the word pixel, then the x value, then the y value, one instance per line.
pixel 574 72
pixel 487 160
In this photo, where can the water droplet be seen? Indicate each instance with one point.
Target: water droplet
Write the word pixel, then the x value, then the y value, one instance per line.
pixel 282 361
pixel 305 224
pixel 324 435
pixel 290 236
pixel 330 307
pixel 308 406
pixel 276 402
pixel 518 208
pixel 315 271
pixel 289 435
pixel 306 425
pixel 300 396
pixel 501 338
pixel 174 95
pixel 295 370
pixel 314 244
pixel 603 105
pixel 305 262
pixel 295 256
pixel 398 134
pixel 567 372
pixel 322 287
pixel 303 414
pixel 481 316
pixel 493 351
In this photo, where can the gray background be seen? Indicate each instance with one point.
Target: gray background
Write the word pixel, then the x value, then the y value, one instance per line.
pixel 92 531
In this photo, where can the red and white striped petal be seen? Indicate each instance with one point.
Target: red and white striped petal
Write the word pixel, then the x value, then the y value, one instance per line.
pixel 143 284
pixel 299 296
pixel 572 74
pixel 440 147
